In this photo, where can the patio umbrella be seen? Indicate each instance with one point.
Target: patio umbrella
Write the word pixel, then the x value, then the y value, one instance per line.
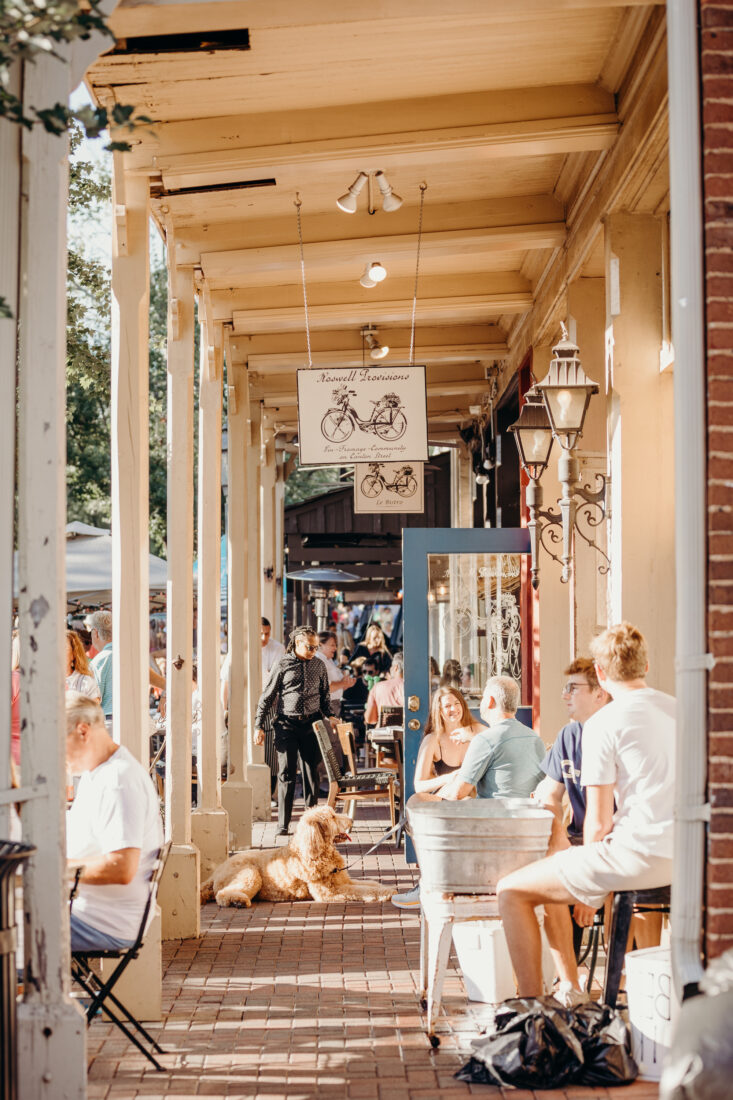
pixel 317 575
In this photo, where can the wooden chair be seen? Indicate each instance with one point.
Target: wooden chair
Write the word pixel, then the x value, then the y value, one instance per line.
pixel 353 786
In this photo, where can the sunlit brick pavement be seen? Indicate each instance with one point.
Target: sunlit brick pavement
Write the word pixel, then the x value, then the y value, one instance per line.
pixel 303 1001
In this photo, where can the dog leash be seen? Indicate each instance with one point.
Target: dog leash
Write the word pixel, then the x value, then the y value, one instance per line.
pixel 395 828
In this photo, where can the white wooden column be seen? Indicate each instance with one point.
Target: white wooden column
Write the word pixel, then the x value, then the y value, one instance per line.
pixel 179 893
pixel 641 439
pixel 51 1029
pixel 209 568
pixel 210 821
pixel 258 773
pixel 268 526
pixel 130 509
pixel 237 790
pixel 277 622
pixel 462 487
pixel 10 159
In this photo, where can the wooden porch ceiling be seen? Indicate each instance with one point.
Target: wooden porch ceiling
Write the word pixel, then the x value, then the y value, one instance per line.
pixel 505 110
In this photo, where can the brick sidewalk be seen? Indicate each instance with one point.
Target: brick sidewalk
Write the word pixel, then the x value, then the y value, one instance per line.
pixel 304 1001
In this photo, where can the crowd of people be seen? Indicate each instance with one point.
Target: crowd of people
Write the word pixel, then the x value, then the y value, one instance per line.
pixel 612 764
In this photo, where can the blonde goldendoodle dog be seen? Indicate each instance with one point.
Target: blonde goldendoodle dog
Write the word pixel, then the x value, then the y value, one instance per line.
pixel 307 868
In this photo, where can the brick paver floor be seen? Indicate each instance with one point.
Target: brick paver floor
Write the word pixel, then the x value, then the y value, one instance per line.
pixel 305 1001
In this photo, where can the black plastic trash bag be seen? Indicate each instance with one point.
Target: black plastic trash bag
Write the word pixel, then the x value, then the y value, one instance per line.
pixel 538 1044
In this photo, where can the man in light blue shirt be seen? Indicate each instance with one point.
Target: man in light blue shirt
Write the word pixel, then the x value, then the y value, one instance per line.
pixel 504 760
pixel 100 625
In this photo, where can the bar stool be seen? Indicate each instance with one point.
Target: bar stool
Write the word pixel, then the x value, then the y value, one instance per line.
pixel 625 904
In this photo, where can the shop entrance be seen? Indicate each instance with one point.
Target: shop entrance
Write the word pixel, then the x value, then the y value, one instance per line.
pixel 463 620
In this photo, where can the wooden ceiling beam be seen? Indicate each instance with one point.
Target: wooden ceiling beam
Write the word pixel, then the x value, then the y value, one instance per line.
pixel 523 137
pixel 274 363
pixel 189 16
pixel 468 308
pixel 459 388
pixel 276 264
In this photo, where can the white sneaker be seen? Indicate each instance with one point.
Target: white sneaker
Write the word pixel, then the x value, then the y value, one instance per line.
pixel 568 995
pixel 409 900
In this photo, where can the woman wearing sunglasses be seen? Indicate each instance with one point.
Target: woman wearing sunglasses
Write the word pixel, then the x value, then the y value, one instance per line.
pixel 295 696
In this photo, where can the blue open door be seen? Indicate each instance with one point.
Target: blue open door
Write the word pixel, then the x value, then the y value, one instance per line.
pixel 462 603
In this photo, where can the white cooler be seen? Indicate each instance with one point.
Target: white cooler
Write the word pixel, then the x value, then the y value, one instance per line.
pixel 653 1007
pixel 483 956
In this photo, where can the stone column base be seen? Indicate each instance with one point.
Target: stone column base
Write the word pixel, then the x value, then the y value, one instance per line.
pixel 258 776
pixel 210 834
pixel 52 1051
pixel 236 798
pixel 140 989
pixel 179 894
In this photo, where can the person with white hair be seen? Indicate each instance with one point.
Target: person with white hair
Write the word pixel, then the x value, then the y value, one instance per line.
pixel 100 625
pixel 113 831
pixel 504 760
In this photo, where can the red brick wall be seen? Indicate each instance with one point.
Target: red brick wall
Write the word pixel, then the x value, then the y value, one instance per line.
pixel 716 18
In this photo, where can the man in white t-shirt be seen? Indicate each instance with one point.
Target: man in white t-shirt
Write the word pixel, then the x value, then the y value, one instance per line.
pixel 628 753
pixel 272 651
pixel 113 830
pixel 338 680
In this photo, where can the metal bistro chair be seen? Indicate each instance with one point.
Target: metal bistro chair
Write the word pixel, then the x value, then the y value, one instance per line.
pixel 353 786
pixel 100 990
pixel 625 904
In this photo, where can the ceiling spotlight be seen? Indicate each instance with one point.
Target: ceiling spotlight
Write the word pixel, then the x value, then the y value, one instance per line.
pixel 390 201
pixel 376 350
pixel 373 273
pixel 347 202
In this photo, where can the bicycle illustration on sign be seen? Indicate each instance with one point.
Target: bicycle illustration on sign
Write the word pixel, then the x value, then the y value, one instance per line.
pixel 403 482
pixel 387 419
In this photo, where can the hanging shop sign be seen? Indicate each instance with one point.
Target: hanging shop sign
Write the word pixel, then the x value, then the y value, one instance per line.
pixel 389 487
pixel 369 414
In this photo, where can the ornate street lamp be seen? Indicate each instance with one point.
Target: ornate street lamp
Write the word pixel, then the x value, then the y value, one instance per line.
pixel 555 409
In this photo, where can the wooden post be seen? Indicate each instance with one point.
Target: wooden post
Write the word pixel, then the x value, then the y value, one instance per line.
pixel 268 526
pixel 130 510
pixel 10 159
pixel 278 621
pixel 258 773
pixel 179 891
pixel 210 821
pixel 237 790
pixel 51 1038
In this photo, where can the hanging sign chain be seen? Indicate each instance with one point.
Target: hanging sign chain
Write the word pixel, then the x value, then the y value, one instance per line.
pixel 298 205
pixel 423 189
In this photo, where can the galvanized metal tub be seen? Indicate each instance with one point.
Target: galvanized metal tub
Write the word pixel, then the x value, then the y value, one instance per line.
pixel 466 847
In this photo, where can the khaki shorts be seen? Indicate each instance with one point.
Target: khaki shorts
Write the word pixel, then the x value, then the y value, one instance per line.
pixel 592 871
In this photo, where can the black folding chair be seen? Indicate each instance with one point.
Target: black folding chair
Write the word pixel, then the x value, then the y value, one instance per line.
pixel 100 990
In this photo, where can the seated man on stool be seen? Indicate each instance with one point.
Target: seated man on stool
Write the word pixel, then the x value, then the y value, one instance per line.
pixel 113 829
pixel 582 696
pixel 502 761
pixel 628 752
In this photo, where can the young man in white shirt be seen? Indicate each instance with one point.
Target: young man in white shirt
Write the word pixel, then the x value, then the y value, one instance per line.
pixel 113 829
pixel 628 754
pixel 338 680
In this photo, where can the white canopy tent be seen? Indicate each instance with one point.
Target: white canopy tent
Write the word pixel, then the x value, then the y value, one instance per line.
pixel 89 567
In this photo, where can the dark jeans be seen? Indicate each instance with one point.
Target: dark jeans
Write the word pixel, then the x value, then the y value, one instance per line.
pixel 294 737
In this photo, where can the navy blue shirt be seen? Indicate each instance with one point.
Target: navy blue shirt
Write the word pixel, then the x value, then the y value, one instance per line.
pixel 562 763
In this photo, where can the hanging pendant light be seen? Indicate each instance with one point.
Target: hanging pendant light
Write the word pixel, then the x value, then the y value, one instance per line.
pixel 374 273
pixel 347 202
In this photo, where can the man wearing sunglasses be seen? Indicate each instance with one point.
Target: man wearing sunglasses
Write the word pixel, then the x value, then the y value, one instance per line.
pixel 295 696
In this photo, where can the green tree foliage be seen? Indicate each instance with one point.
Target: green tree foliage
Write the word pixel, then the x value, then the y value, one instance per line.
pixel 88 396
pixel 305 482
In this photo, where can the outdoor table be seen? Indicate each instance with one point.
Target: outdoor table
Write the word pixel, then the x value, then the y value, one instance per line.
pixel 439 911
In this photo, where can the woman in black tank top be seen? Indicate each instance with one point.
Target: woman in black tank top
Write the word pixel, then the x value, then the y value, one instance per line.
pixel 448 733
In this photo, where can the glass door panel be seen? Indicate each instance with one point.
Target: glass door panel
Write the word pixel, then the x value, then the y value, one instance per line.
pixel 462 593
